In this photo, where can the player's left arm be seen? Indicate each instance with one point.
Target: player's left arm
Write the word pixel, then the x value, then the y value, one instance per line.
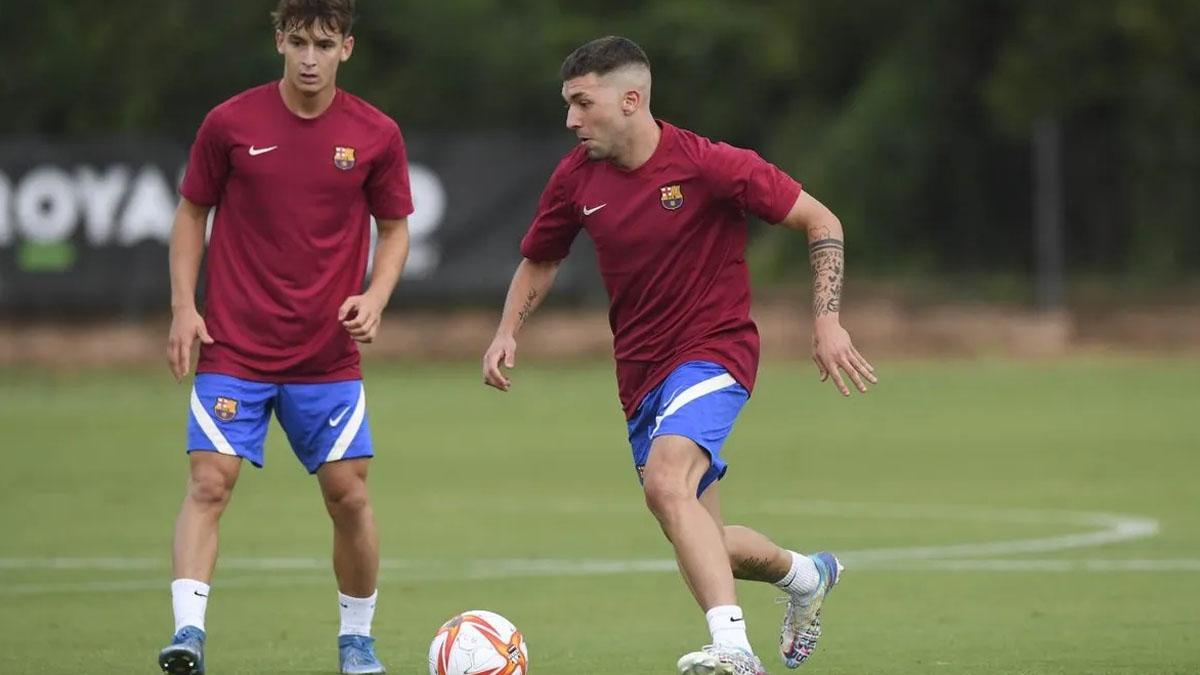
pixel 360 314
pixel 832 349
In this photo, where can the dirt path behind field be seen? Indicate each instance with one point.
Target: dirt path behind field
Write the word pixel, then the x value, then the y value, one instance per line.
pixel 880 330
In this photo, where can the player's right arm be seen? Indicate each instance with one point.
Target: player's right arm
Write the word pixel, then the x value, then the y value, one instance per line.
pixel 203 183
pixel 187 250
pixel 543 248
pixel 530 284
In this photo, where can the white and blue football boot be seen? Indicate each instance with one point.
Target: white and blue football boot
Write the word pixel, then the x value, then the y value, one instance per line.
pixel 185 654
pixel 720 660
pixel 356 655
pixel 802 620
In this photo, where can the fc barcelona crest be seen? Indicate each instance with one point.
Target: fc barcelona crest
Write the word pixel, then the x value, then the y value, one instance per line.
pixel 672 197
pixel 225 408
pixel 343 158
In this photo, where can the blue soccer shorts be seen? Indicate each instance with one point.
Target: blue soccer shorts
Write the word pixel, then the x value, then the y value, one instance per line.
pixel 324 422
pixel 699 400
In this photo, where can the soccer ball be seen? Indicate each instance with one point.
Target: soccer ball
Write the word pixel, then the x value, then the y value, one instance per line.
pixel 478 643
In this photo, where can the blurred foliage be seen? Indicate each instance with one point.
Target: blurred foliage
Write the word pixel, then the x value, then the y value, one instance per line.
pixel 910 119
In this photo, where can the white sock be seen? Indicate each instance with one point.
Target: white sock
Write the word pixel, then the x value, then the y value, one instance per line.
pixel 728 626
pixel 357 614
pixel 803 577
pixel 189 599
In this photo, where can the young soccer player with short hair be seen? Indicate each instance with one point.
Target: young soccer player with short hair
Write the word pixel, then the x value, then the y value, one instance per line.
pixel 666 209
pixel 295 169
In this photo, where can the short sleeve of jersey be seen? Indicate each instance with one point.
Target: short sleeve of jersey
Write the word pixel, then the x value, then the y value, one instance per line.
pixel 388 193
pixel 556 223
pixel 208 164
pixel 752 183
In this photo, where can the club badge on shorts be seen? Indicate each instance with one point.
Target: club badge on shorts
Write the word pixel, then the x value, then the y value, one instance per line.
pixel 343 157
pixel 672 197
pixel 225 408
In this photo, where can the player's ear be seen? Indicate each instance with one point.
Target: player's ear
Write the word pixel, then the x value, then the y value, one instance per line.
pixel 347 47
pixel 279 37
pixel 630 102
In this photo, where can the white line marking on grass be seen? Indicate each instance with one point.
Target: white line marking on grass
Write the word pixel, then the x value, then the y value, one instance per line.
pixel 431 572
pixel 159 584
pixel 1104 529
pixel 1049 565
pixel 1112 529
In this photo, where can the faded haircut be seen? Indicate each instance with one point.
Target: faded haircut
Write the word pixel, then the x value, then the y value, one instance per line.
pixel 602 56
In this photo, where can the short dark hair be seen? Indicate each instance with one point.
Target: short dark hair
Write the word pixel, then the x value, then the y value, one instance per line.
pixel 335 16
pixel 602 56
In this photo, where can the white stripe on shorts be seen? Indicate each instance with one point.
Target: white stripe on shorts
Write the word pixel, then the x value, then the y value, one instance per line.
pixel 342 444
pixel 691 394
pixel 210 427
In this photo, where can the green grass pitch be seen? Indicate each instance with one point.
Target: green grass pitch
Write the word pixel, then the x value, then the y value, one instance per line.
pixel 997 517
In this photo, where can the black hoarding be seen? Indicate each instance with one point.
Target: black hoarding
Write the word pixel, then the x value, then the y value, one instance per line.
pixel 84 226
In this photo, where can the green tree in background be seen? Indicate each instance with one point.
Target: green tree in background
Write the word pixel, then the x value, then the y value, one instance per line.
pixel 1125 76
pixel 912 119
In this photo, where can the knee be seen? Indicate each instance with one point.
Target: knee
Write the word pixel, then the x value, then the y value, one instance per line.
pixel 665 494
pixel 347 501
pixel 209 490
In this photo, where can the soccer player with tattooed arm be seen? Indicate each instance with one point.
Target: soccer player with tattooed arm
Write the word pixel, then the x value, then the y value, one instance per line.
pixel 666 210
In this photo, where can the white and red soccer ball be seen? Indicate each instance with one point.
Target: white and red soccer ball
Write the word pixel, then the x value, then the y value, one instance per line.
pixel 478 643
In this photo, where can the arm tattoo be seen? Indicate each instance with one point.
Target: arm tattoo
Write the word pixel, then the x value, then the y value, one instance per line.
pixel 828 263
pixel 527 309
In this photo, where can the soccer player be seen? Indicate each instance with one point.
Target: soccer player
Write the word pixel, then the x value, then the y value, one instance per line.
pixel 295 169
pixel 666 210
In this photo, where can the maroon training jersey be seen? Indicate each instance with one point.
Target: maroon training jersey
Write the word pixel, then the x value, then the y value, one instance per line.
pixel 291 234
pixel 671 240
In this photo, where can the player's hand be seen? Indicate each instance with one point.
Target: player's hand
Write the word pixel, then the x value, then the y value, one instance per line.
pixel 360 315
pixel 503 350
pixel 833 353
pixel 186 326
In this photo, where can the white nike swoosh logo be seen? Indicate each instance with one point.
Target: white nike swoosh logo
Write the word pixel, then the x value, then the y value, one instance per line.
pixel 334 421
pixel 588 212
pixel 255 152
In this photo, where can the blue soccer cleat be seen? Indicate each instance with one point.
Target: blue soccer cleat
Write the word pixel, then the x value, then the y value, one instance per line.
pixel 185 654
pixel 802 620
pixel 356 653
